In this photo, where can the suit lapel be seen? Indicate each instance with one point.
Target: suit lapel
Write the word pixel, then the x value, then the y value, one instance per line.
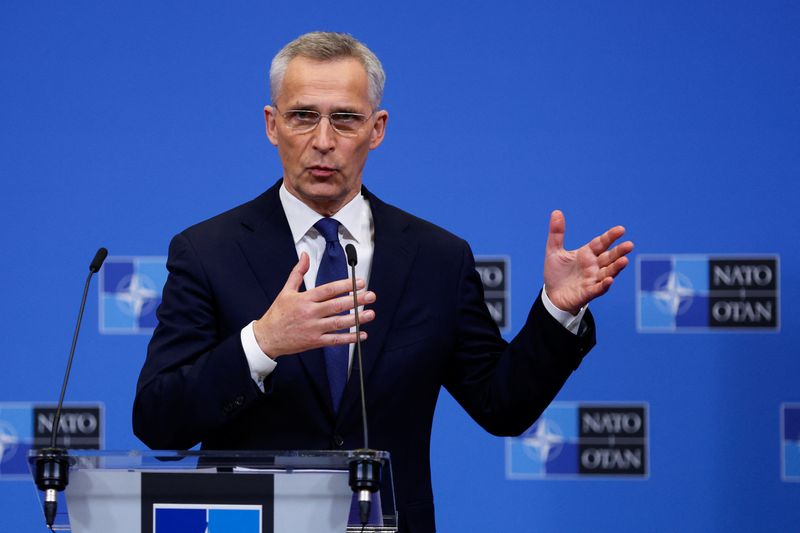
pixel 391 262
pixel 270 251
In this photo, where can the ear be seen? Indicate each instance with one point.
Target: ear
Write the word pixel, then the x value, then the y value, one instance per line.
pixel 270 117
pixel 378 129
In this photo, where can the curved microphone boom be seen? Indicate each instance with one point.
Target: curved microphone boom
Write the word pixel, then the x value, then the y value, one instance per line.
pixel 365 468
pixel 52 464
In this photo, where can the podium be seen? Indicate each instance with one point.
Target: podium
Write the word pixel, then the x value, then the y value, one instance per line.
pixel 216 491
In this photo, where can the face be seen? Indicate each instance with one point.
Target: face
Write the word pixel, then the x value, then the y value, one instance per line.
pixel 322 167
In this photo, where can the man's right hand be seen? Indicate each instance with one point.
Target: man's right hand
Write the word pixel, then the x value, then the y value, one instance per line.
pixel 299 321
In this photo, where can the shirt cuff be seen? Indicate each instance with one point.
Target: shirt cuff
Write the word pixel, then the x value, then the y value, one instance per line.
pixel 565 318
pixel 261 365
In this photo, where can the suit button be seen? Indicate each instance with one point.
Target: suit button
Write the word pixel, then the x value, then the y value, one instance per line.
pixel 239 401
pixel 338 440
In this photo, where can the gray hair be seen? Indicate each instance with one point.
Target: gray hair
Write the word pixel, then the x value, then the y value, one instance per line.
pixel 328 46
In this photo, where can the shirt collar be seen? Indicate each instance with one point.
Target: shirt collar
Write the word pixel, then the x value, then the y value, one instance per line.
pixel 302 218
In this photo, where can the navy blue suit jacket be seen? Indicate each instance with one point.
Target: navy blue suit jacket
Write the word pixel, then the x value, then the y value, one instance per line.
pixel 432 329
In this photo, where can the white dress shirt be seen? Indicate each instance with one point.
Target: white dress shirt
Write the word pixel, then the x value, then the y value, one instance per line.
pixel 356 228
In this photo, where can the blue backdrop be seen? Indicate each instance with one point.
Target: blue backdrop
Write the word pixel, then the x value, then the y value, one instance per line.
pixel 124 122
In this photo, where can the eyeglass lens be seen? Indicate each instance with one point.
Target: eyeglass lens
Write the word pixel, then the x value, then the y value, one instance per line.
pixel 306 120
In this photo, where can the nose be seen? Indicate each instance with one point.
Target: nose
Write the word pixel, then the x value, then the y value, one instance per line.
pixel 323 140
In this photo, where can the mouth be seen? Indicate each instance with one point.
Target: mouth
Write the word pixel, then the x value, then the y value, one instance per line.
pixel 321 171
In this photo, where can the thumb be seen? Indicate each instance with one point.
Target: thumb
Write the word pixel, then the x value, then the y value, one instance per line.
pixel 297 273
pixel 555 237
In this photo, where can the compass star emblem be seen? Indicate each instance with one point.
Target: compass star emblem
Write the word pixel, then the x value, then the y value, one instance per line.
pixel 544 439
pixel 674 293
pixel 8 441
pixel 136 294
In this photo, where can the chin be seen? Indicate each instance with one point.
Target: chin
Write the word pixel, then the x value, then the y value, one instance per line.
pixel 323 197
pixel 323 192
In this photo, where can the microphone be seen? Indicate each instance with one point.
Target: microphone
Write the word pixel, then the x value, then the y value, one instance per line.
pixel 52 464
pixel 352 256
pixel 365 469
pixel 97 262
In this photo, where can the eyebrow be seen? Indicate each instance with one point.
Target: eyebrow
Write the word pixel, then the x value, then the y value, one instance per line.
pixel 304 107
pixel 336 109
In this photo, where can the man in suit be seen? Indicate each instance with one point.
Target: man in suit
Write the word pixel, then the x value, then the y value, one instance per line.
pixel 252 347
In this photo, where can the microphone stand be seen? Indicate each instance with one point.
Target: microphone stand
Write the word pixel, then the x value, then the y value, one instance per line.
pixel 52 463
pixel 365 468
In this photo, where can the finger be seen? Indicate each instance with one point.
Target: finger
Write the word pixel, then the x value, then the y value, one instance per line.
pixel 600 288
pixel 555 237
pixel 337 323
pixel 296 275
pixel 343 303
pixel 334 289
pixel 606 258
pixel 614 268
pixel 603 242
pixel 333 339
pixel 604 285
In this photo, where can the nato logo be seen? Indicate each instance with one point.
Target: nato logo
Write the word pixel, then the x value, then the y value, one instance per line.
pixel 495 273
pixel 130 293
pixel 27 426
pixel 14 447
pixel 790 441
pixel 206 518
pixel 685 293
pixel 571 441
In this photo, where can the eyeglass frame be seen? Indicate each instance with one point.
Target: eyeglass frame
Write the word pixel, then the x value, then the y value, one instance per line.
pixel 353 133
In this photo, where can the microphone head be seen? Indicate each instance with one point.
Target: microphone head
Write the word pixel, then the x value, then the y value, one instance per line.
pixel 97 262
pixel 352 257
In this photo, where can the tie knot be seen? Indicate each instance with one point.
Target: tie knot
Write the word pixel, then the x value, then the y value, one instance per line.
pixel 329 228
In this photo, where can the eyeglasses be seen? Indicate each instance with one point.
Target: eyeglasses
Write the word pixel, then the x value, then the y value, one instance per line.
pixel 305 120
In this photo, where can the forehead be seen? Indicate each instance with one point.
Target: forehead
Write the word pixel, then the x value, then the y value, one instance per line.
pixel 342 82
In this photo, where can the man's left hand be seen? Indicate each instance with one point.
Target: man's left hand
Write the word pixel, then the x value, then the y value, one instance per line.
pixel 573 278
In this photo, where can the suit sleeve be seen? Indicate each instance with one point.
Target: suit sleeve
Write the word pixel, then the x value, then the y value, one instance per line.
pixel 193 380
pixel 506 386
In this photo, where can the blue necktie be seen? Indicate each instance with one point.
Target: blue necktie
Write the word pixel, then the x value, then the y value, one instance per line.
pixel 333 267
